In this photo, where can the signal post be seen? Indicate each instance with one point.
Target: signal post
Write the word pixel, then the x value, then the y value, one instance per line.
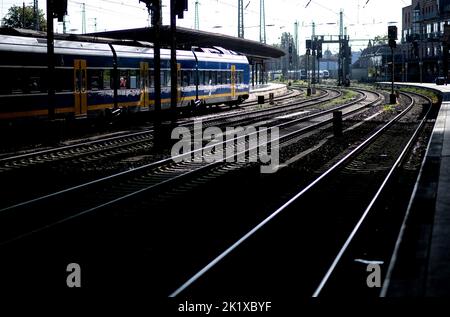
pixel 392 35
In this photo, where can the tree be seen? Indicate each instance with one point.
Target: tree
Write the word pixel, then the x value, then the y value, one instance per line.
pixel 380 40
pixel 19 17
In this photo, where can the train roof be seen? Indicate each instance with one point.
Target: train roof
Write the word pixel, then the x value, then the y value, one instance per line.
pixel 123 49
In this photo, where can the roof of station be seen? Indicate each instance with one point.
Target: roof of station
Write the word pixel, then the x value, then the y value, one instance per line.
pixel 186 38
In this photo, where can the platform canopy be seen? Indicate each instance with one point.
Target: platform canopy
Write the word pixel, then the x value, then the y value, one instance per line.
pixel 186 38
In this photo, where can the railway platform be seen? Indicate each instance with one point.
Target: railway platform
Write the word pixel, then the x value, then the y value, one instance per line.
pixel 420 265
pixel 266 89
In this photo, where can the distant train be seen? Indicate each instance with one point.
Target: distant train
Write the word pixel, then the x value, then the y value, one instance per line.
pixel 96 78
pixel 301 74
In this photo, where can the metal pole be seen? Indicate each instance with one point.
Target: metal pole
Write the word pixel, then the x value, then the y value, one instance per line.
pixel 253 74
pixel 50 61
pixel 173 59
pixel 241 18
pixel 64 25
pixel 36 15
pixel 421 66
pixel 83 18
pixel 156 22
pixel 262 22
pixel 197 18
pixel 403 66
pixel 296 66
pixel 313 77
pixel 318 70
pixel 392 75
pixel 406 72
pixel 308 90
pixel 23 16
pixel 393 98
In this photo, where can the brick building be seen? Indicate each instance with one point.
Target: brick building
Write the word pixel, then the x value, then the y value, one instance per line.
pixel 421 51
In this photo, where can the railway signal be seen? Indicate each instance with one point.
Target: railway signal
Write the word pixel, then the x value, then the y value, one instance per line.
pixel 392 35
pixel 60 9
pixel 308 44
pixel 319 49
pixel 180 7
pixel 392 32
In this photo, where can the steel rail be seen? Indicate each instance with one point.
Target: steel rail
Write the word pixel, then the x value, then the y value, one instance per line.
pixel 368 209
pixel 146 167
pixel 318 180
pixel 82 147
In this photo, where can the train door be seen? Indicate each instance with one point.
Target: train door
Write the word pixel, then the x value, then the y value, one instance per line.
pixel 144 84
pixel 233 81
pixel 80 84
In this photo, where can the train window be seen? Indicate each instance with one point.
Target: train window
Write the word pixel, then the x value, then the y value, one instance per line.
pixel 107 79
pixel 185 78
pixel 193 78
pixel 201 77
pixel 165 78
pixel 219 78
pixel 17 78
pixel 152 77
pixel 33 84
pixel 64 79
pixel 209 78
pixel 134 79
pixel 32 81
pixel 5 87
pixel 228 77
pixel 95 80
pixel 205 78
pixel 168 82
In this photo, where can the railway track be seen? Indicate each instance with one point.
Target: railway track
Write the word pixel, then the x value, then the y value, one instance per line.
pixel 140 140
pixel 66 205
pixel 305 243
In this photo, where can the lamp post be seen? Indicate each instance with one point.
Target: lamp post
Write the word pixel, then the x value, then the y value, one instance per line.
pixel 393 96
pixel 439 67
pixel 50 60
pixel 308 90
pixel 406 72
pixel 421 71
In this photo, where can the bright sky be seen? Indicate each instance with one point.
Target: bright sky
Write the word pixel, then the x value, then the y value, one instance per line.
pixel 363 20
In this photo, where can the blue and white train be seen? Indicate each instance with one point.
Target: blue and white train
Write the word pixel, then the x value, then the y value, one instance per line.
pixel 96 78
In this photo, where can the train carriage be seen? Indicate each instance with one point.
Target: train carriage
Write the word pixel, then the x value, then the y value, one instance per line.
pixel 98 78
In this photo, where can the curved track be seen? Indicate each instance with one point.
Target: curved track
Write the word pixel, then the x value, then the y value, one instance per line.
pixel 303 242
pixel 83 199
pixel 120 144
